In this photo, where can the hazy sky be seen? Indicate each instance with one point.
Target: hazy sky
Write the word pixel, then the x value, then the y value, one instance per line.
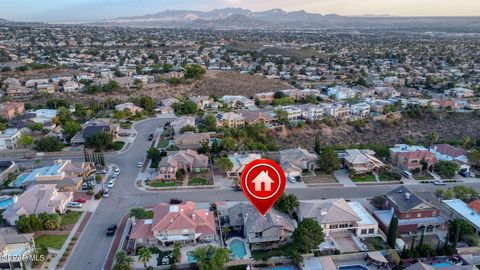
pixel 58 10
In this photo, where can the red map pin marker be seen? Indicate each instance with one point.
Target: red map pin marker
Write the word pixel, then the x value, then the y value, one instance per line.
pixel 263 182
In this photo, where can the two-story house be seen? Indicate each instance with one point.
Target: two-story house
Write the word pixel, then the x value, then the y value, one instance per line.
pixel 230 120
pixel 189 160
pixel 16 247
pixel 412 157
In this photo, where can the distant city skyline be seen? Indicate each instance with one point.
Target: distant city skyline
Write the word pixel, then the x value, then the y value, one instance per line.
pixel 75 10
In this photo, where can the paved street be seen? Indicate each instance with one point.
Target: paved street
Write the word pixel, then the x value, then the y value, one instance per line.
pixel 93 245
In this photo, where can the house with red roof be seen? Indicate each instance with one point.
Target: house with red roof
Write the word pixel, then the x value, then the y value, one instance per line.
pixel 175 223
pixel 411 157
pixel 446 152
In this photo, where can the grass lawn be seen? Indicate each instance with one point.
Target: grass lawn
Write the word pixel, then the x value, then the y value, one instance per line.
pixel 51 240
pixel 198 182
pixel 71 217
pixel 423 177
pixel 389 176
pixel 376 243
pixel 163 143
pixel 363 178
pixel 163 184
pixel 117 146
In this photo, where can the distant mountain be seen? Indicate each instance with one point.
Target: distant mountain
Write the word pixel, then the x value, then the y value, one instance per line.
pixel 239 18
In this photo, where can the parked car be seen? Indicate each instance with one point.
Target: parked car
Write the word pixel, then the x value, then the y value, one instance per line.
pixel 103 171
pixel 74 205
pixel 298 178
pixel 81 200
pixel 291 179
pixel 111 230
pixel 114 177
pixel 106 193
pixel 175 201
pixel 117 170
pixel 439 183
pixel 467 174
pixel 150 136
pixel 87 186
pixel 110 184
pixel 139 164
pixel 407 174
pixel 236 188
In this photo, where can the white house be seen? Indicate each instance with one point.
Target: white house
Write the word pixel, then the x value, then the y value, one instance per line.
pixel 341 92
pixel 43 116
pixel 9 138
pixel 293 113
pixel 360 109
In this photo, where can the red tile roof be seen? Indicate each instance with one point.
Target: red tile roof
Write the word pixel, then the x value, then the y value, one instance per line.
pixel 475 205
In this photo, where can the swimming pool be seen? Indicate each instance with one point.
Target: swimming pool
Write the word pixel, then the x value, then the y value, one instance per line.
pixel 441 264
pixel 238 248
pixel 353 267
pixel 191 258
pixel 5 203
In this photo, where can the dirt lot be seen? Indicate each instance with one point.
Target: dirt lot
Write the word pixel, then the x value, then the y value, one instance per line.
pixel 320 178
pixel 449 126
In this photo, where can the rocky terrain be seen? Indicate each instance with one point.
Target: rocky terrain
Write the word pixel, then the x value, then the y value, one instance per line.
pixel 449 126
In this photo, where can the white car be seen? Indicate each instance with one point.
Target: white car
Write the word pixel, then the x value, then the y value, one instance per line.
pixel 110 184
pixel 117 170
pixel 291 179
pixel 114 177
pixel 74 205
pixel 139 164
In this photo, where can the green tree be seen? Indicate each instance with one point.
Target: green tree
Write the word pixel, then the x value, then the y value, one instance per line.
pixel 194 72
pixel 318 146
pixel 210 122
pixel 41 252
pixel 287 203
pixel 295 257
pixel 225 163
pixel 282 116
pixel 308 235
pixel 100 141
pixel 433 138
pixel 48 144
pixel 210 257
pixel 70 128
pixel 328 160
pixel 25 140
pixel 3 127
pixel 465 142
pixel 474 158
pixel 154 154
pixel 392 232
pixel 229 144
pixel 122 261
pixel 144 255
pixel 187 128
pixel 446 169
pixel 23 224
pixel 118 115
pixel 176 252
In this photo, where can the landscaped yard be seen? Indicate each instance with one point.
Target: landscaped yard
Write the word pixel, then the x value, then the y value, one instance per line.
pixel 320 178
pixel 363 178
pixel 422 176
pixel 163 143
pixel 263 255
pixel 51 240
pixel 71 217
pixel 117 146
pixel 376 243
pixel 389 176
pixel 163 184
pixel 198 182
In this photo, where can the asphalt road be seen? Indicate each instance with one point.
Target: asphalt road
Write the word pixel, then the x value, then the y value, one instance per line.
pixel 93 245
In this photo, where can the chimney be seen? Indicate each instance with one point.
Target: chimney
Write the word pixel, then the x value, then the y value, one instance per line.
pixel 133 220
pixel 407 195
pixel 194 216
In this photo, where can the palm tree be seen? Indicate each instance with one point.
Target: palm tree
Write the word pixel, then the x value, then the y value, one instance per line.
pixel 144 255
pixel 123 261
pixel 225 231
pixel 433 138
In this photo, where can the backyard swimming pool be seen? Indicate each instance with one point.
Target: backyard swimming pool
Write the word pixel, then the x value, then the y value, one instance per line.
pixel 441 264
pixel 4 203
pixel 191 258
pixel 238 248
pixel 353 267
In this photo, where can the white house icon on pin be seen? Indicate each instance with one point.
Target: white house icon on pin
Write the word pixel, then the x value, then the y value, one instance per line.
pixel 263 178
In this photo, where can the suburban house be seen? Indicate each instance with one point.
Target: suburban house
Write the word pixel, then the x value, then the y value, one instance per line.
pixel 94 127
pixel 230 120
pixel 414 213
pixel 252 117
pixel 128 106
pixel 424 266
pixel 16 247
pixel 296 160
pixel 37 199
pixel 362 109
pixel 189 160
pixel 293 113
pixel 275 228
pixel 172 223
pixel 202 102
pixel 361 161
pixel 460 92
pixel 181 122
pixel 66 175
pixel 311 112
pixel 268 97
pixel 448 104
pixel 339 216
pixel 239 162
pixel 446 152
pixel 410 158
pixel 43 116
pixel 9 138
pixel 341 92
pixel 336 110
pixel 457 209
pixel 192 140
pixel 238 101
pixel 475 205
pixel 10 109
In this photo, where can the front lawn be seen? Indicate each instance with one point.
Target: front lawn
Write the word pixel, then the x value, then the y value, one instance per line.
pixel 163 184
pixel 70 217
pixel 389 176
pixel 54 241
pixel 363 178
pixel 376 243
pixel 163 143
pixel 198 182
pixel 117 146
pixel 264 255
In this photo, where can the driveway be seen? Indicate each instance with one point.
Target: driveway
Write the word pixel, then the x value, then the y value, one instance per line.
pixel 343 178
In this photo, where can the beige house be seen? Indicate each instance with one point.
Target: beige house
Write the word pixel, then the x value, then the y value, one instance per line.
pixel 361 161
pixel 189 160
pixel 192 140
pixel 230 120
pixel 16 247
pixel 295 160
pixel 339 216
pixel 181 122
pixel 43 198
pixel 239 162
pixel 130 106
pixel 10 109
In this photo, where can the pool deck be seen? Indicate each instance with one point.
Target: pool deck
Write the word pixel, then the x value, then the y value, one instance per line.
pixel 248 254
pixel 351 263
pixel 191 247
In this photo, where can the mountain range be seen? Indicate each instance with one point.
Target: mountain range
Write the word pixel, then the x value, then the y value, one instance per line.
pixel 239 18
